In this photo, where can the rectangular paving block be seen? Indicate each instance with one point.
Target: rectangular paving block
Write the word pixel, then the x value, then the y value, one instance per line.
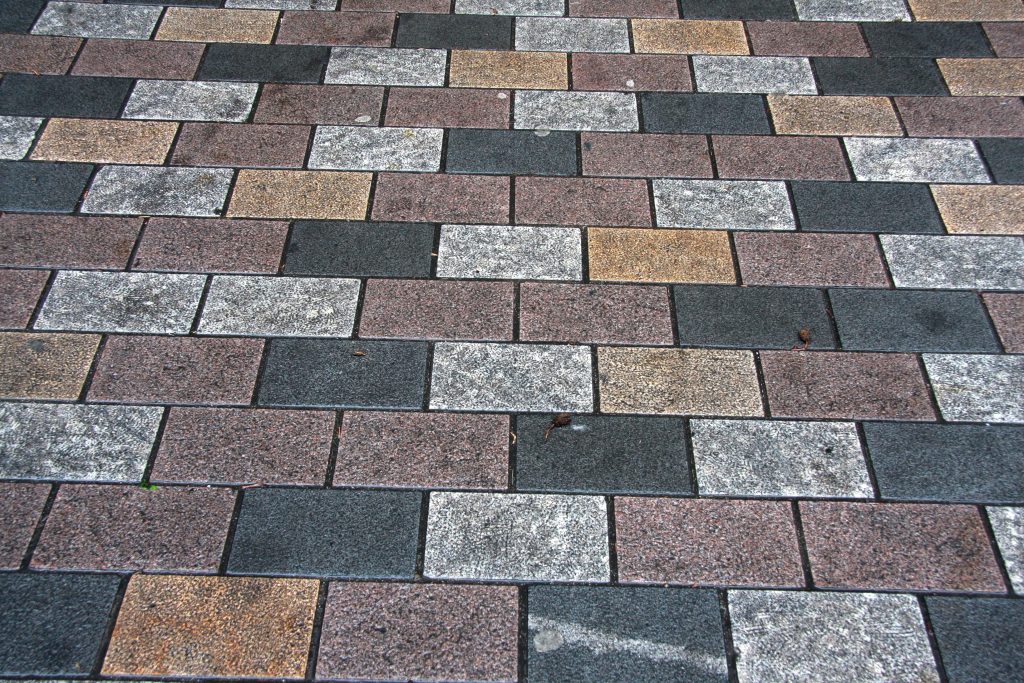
pixel 483 31
pixel 67 241
pixel 41 186
pixel 191 101
pixel 320 104
pixel 790 75
pixel 45 366
pixel 264 63
pixel 852 10
pixel 503 69
pixel 718 205
pixel 452 107
pixel 912 160
pixel 1001 155
pixel 613 111
pixel 989 210
pixel 1007 313
pixel 232 144
pixel 543 34
pixel 217 26
pixel 976 387
pixel 16 135
pixel 518 537
pixel 509 252
pixel 862 207
pixel 138 59
pixel 97 21
pixel 833 115
pixel 511 152
pixel 810 260
pixel 441 198
pixel 359 249
pixel 22 505
pixel 650 72
pixel 955 262
pixel 320 5
pixel 532 8
pixel 965 117
pixel 806 38
pixel 645 156
pixel 18 17
pixel 932 39
pixel 21 292
pixel 983 76
pixel 971 635
pixel 738 9
pixel 355 148
pixel 631 255
pixel 878 76
pixel 105 142
pixel 582 201
pixel 687 36
pixel 211 245
pixel 1008 528
pixel 72 96
pixel 300 194
pixel 386 66
pixel 760 156
pixel 627 8
pixel 1005 38
pixel 158 191
pixel 978 10
pixel 704 113
pixel 39 54
pixel 372 29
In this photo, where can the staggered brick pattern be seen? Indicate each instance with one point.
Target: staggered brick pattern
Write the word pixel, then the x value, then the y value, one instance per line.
pixel 293 292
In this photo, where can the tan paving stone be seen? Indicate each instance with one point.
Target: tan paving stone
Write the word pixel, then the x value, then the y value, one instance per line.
pixel 983 76
pixel 300 194
pixel 821 115
pixel 495 69
pixel 98 141
pixel 50 366
pixel 217 25
pixel 632 255
pixel 967 10
pixel 981 209
pixel 672 36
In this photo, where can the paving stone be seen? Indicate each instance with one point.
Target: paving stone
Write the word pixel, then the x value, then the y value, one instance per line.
pixel 533 8
pixel 22 506
pixel 878 76
pixel 706 542
pixel 852 10
pixel 217 26
pixel 962 116
pixel 17 17
pixel 576 110
pixel 591 71
pixel 623 634
pixel 213 626
pixel 605 314
pixel 915 160
pixel 45 366
pixel 971 635
pixel 845 386
pixel 441 6
pixel 974 10
pixel 511 378
pixel 36 54
pixel 704 113
pixel 372 29
pixel 759 156
pixel 510 252
pixel 321 104
pixel 41 187
pixel 386 66
pixel 738 9
pixel 1008 527
pixel 689 37
pixel 810 260
pixel 274 63
pixel 861 207
pixel 989 210
pixel 321 372
pixel 678 381
pixel 441 198
pixel 805 39
pixel 629 8
pixel 440 107
pixel 791 75
pixel 229 144
pixel 1007 39
pixel 977 388
pixel 21 292
pixel 191 101
pixel 300 194
pixel 322 5
pixel 824 115
pixel 1007 313
pixel 1001 155
pixel 582 201
pixel 423 450
pixel 917 39
pixel 73 442
pixel 510 152
pixel 74 96
pixel 717 205
pixel 217 245
pixel 54 624
pixel 482 31
pixel 520 537
pixel 544 34
pixel 67 241
pixel 629 255
pixel 493 69
pixel 311 532
pixel 138 59
pixel 359 249
pixel 790 636
pixel 105 142
pixel 955 262
pixel 425 631
pixel 158 191
pixel 897 546
pixel 130 528
pixel 16 135
pixel 645 156
pixel 376 149
pixel 946 463
pixel 97 21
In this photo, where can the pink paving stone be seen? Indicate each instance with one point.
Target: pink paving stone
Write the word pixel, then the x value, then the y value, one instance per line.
pixel 1007 38
pixel 814 260
pixel 37 54
pixel 779 157
pixel 707 542
pixel 582 201
pixel 66 241
pixel 426 309
pixel 336 28
pixel 235 144
pixel 1007 312
pixel 319 104
pixel 20 508
pixel 649 73
pixel 21 290
pixel 236 446
pixel 964 117
pixel 436 6
pixel 899 547
pixel 440 198
pixel 139 59
pixel 806 39
pixel 211 246
pixel 646 156
pixel 423 450
pixel 624 8
pixel 448 108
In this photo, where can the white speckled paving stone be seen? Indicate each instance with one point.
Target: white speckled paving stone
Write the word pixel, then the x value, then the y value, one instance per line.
pixel 916 160
pixel 555 110
pixel 522 8
pixel 977 387
pixel 786 75
pixel 356 148
pixel 572 35
pixel 506 252
pixel 97 21
pixel 155 191
pixel 191 101
pixel 1008 526
pixel 280 306
pixel 386 66
pixel 535 378
pixel 16 135
pixel 74 442
pixel 324 5
pixel 96 301
pixel 517 537
pixel 829 638
pixel 852 10
pixel 955 262
pixel 723 205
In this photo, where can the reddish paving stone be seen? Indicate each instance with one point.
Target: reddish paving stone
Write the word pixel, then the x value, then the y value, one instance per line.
pixel 582 201
pixel 235 446
pixel 648 73
pixel 707 542
pixel 806 39
pixel 624 8
pixel 838 385
pixel 440 198
pixel 20 508
pixel 899 547
pixel 435 6
pixel 810 260
pixel 233 144
pixel 1007 38
pixel 425 309
pixel 1007 311
pixel 423 450
pixel 21 290
pixel 131 528
pixel 779 158
pixel 176 370
pixel 67 241
pixel 448 108
pixel 962 117
pixel 646 156
pixel 211 246
pixel 336 28
pixel 392 631
pixel 139 59
pixel 37 54
pixel 319 104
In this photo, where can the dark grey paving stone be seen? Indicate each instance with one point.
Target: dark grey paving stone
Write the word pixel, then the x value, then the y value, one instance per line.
pixel 447 31
pixel 971 463
pixel 264 63
pixel 751 317
pixel 42 186
pixel 926 39
pixel 320 372
pixel 317 532
pixel 508 152
pixel 738 9
pixel 53 624
pixel 878 76
pixel 360 249
pixel 599 453
pixel 866 207
pixel 610 634
pixel 979 638
pixel 17 16
pixel 1003 156
pixel 70 96
pixel 720 113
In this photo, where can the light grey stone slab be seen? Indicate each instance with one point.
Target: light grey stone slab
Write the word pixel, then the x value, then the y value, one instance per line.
pixel 16 135
pixel 522 8
pixel 852 10
pixel 356 148
pixel 1008 527
pixel 787 75
pixel 280 306
pixel 97 301
pixel 916 160
pixel 75 442
pixel 97 21
pixel 324 5
pixel 386 66
pixel 977 387
pixel 723 204
pixel 801 637
pixel 533 378
pixel 544 34
pixel 557 110
pixel 517 537
pixel 191 101
pixel 155 191
pixel 506 252
pixel 955 261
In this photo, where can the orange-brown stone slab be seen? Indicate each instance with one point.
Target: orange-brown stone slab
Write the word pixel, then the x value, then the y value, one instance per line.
pixel 823 115
pixel 52 366
pixel 106 142
pixel 981 209
pixel 983 76
pixel 967 10
pixel 628 255
pixel 300 194
pixel 494 69
pixel 217 25
pixel 674 36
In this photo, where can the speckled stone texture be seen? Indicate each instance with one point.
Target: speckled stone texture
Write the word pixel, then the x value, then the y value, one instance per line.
pixel 648 73
pixel 97 21
pixel 991 77
pixel 158 191
pixel 971 635
pixel 337 104
pixel 986 210
pixel 1008 528
pixel 631 255
pixel 386 66
pixel 191 101
pixel 41 54
pixel 230 144
pixel 212 246
pixel 20 508
pixel 300 194
pixel 627 154
pixel 437 107
pixel 713 204
pixel 582 201
pixel 422 309
pixel 851 10
pixel 118 142
pixel 759 156
pixel 822 115
pixel 46 366
pixel 858 207
pixel 576 110
pixel 376 149
pixel 690 37
pixel 512 252
pixel 441 198
pixel 504 69
pixel 809 39
pixel 977 388
pixel 915 160
pixel 789 75
pixel 21 292
pixel 1007 312
pixel 16 135
pixel 955 262
pixel 572 35
pixel 542 8
pixel 138 59
pixel 962 116
pixel 371 29
pixel 210 26
pixel 67 241
pixel 604 314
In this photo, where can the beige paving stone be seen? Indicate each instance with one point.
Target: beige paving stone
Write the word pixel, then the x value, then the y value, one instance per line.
pixel 838 115
pixel 682 36
pixel 98 141
pixel 983 76
pixel 635 255
pixel 51 366
pixel 505 69
pixel 967 10
pixel 217 25
pixel 981 209
pixel 300 194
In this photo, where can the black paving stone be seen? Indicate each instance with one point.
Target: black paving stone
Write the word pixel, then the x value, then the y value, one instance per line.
pixel 317 532
pixel 878 76
pixel 716 113
pixel 264 63
pixel 42 186
pixel 602 454
pixel 926 39
pixel 68 96
pixel 360 249
pixel 1004 158
pixel 738 9
pixel 511 152
pixel 17 16
pixel 866 207
pixel 447 31
pixel 976 638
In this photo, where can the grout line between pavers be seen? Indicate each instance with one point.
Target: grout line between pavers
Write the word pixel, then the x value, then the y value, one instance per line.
pixel 730 645
pixel 865 450
pixel 317 630
pixel 229 537
pixel 997 553
pixel 108 632
pixel 933 642
pixel 37 532
pixel 801 542
pixel 421 537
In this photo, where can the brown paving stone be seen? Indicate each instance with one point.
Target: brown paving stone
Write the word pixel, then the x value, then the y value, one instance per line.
pixel 962 117
pixel 441 198
pixel 51 366
pixel 660 256
pixel 1007 38
pixel 435 6
pixel 668 9
pixel 98 141
pixel 899 547
pixel 132 528
pixel 425 309
pixel 967 10
pixel 67 241
pixel 300 194
pixel 707 542
pixel 779 158
pixel 21 290
pixel 688 36
pixel 176 370
pixel 211 245
pixel 806 39
pixel 448 108
pixel 810 259
pixel 37 54
pixel 336 28
pixel 650 73
pixel 838 385
pixel 20 507
pixel 646 156
pixel 505 69
pixel 823 115
pixel 423 450
pixel 236 446
pixel 139 59
pixel 390 631
pixel 203 25
pixel 983 76
pixel 981 209
pixel 213 626
pixel 319 104
pixel 234 144
pixel 1007 312
pixel 582 201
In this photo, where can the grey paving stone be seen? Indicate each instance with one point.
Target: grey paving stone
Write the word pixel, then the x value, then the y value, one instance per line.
pixel 357 148
pixel 546 34
pixel 522 8
pixel 516 537
pixel 602 454
pixel 97 301
pixel 280 306
pixel 852 10
pixel 862 207
pixel 620 634
pixel 955 262
pixel 879 76
pixel 155 191
pixel 360 249
pixel 97 21
pixel 41 186
pixel 790 75
pixel 1003 156
pixel 704 113
pixel 191 101
pixel 386 66
pixel 927 39
pixel 16 135
pixel 553 110
pixel 1008 527
pixel 517 252
pixel 723 204
pixel 977 388
pixel 74 442
pixel 324 5
pixel 264 63
pixel 16 16
pixel 316 532
pixel 910 160
pixel 484 31
pixel 829 637
pixel 979 638
pixel 69 96
pixel 511 152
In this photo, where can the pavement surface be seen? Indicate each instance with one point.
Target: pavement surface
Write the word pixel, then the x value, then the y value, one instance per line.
pixel 512 340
